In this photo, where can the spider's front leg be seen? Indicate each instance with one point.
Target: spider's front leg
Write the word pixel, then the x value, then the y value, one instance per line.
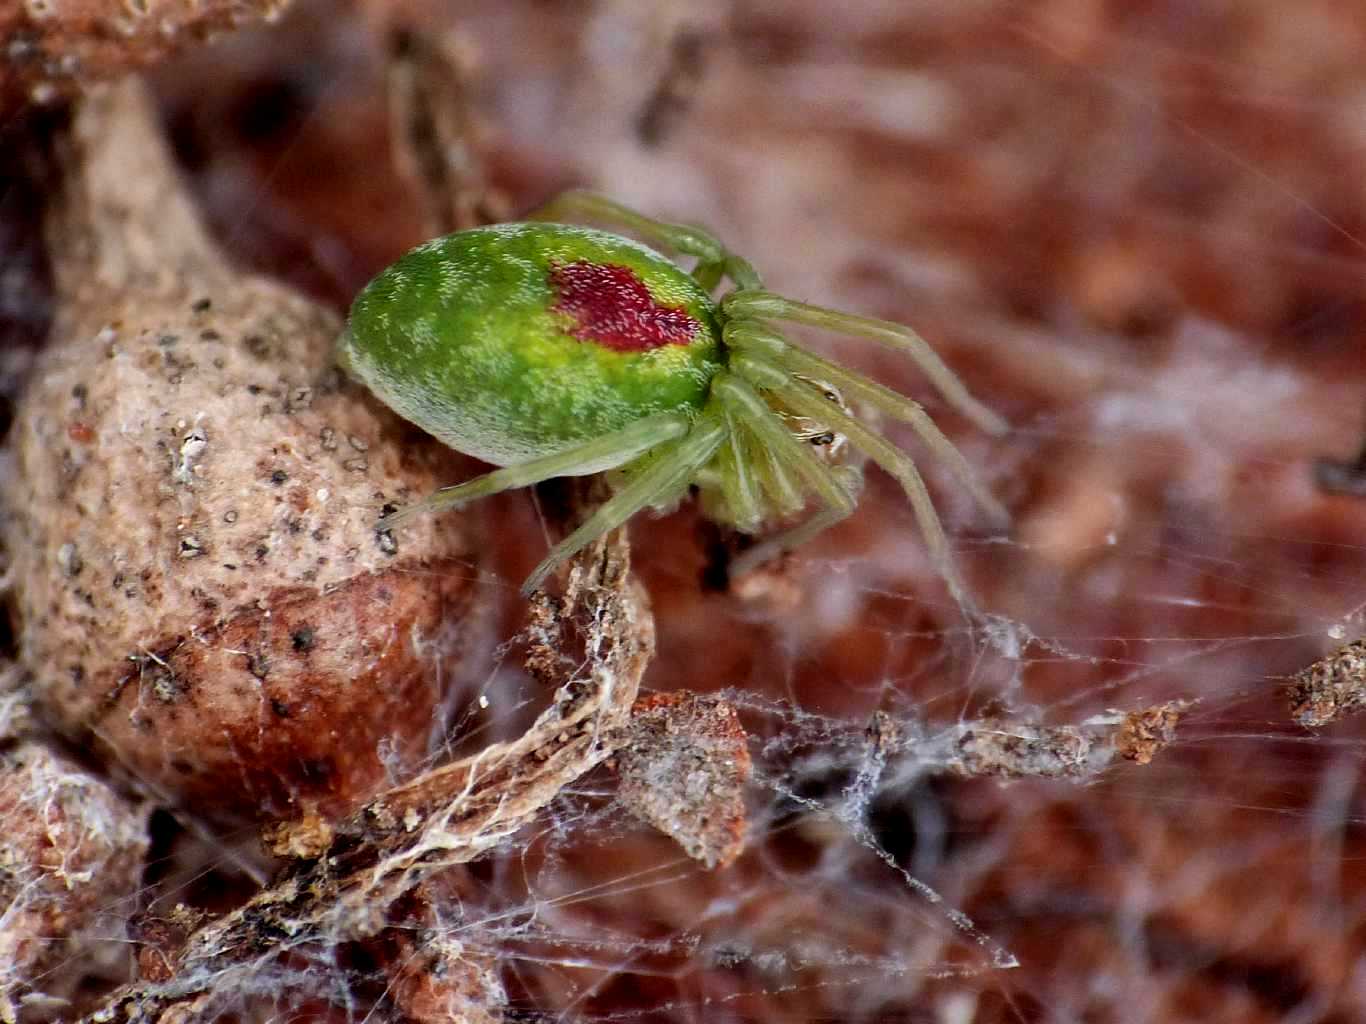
pixel 764 305
pixel 789 540
pixel 758 339
pixel 662 481
pixel 803 398
pixel 714 260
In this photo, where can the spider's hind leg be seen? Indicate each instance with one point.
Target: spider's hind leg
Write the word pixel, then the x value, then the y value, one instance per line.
pixel 714 260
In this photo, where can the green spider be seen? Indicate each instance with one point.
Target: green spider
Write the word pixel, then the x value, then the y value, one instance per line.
pixel 554 350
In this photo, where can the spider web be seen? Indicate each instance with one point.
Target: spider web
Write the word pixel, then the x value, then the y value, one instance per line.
pixel 1138 236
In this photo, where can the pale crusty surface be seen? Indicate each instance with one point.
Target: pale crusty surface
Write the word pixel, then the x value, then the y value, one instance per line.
pixel 70 866
pixel 54 47
pixel 200 585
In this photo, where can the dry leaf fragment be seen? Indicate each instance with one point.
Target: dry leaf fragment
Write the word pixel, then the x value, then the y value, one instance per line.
pixel 683 763
pixel 1330 688
pixel 1021 749
pixel 1144 732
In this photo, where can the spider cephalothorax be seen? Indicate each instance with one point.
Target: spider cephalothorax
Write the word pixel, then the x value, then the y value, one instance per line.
pixel 553 350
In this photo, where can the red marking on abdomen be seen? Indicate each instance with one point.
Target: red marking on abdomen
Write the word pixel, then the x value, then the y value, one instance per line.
pixel 612 307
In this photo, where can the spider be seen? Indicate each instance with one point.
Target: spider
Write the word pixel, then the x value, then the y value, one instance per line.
pixel 555 350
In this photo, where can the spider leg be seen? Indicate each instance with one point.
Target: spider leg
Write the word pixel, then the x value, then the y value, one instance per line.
pixel 768 344
pixel 772 474
pixel 606 452
pixel 665 477
pixel 738 483
pixel 713 259
pixel 708 275
pixel 745 304
pixel 808 401
pixel 748 408
pixel 794 538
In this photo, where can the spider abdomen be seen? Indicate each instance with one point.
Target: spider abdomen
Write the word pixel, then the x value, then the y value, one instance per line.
pixel 520 340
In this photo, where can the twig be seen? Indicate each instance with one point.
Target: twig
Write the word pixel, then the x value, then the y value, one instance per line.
pixel 437 135
pixel 447 816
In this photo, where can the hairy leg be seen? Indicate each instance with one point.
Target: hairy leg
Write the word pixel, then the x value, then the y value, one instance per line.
pixel 593 456
pixel 751 413
pixel 768 344
pixel 810 402
pixel 665 477
pixel 766 305
pixel 714 259
pixel 794 538
pixel 738 481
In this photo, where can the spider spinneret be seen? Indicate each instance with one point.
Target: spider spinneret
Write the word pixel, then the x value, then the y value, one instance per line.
pixel 554 350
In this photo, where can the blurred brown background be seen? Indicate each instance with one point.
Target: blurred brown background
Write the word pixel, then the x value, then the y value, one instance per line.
pixel 1139 232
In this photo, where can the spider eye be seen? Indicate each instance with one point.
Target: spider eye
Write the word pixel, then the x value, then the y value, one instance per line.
pixel 821 440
